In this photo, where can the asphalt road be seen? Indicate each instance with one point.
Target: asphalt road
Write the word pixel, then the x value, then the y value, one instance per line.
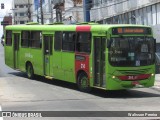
pixel 18 93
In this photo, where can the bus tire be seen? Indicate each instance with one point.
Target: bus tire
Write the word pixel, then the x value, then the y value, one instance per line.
pixel 30 71
pixel 83 82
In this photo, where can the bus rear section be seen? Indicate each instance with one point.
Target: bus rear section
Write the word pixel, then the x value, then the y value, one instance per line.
pixel 131 58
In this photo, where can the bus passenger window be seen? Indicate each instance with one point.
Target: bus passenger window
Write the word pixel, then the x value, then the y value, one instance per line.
pixel 58 41
pixel 68 41
pixel 25 38
pixel 8 38
pixel 35 39
pixel 83 43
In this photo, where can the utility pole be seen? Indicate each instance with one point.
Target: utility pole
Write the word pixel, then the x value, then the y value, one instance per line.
pixel 87 4
pixel 29 11
pixel 41 12
pixel 51 10
pixel 59 7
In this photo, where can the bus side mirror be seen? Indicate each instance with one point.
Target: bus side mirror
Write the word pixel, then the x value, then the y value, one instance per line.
pixel 109 43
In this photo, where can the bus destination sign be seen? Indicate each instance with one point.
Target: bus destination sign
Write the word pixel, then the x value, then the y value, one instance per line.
pixel 131 30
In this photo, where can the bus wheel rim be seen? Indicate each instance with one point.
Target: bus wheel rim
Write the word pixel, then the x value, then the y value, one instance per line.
pixel 29 71
pixel 84 82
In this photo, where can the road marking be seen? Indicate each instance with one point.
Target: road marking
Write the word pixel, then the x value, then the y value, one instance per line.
pixel 1 118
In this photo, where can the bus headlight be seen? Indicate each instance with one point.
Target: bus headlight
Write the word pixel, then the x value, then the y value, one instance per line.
pixel 113 77
pixel 152 74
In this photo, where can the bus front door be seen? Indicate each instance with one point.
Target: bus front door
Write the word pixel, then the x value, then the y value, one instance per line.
pixel 99 61
pixel 47 54
pixel 16 50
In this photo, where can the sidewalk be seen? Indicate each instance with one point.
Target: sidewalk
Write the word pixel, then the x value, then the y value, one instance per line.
pixel 0 115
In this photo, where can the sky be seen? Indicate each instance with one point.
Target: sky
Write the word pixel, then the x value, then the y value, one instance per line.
pixel 5 11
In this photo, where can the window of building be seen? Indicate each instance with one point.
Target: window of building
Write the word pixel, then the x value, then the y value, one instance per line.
pixel 22 22
pixel 97 2
pixel 21 6
pixel 134 17
pixel 69 41
pixel 158 13
pixel 149 15
pixel 25 38
pixel 154 14
pixel 108 20
pixel 83 43
pixel 141 20
pixel 119 19
pixel 137 16
pixel 145 16
pixel 123 19
pixel 126 18
pixel 21 14
pixel 35 39
pixel 58 41
pixel 8 37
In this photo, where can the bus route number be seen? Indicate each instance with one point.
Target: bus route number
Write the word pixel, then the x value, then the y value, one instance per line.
pixel 83 66
pixel 132 77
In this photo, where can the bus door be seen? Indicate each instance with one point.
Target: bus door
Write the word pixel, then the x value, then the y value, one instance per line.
pixel 99 61
pixel 47 54
pixel 16 50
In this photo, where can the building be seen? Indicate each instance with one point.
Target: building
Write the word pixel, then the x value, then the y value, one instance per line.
pixel 7 20
pixel 145 12
pixel 73 11
pixel 66 11
pixel 22 11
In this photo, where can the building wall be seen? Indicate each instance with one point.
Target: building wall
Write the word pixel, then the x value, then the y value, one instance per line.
pixel 9 20
pixel 72 11
pixel 20 11
pixel 103 9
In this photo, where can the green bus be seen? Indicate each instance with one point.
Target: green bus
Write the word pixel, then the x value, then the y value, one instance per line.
pixel 109 57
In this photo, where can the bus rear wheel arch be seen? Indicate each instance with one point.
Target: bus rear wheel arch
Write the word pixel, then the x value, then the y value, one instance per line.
pixel 83 82
pixel 29 70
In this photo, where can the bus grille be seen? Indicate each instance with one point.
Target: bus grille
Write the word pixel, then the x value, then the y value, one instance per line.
pixel 134 72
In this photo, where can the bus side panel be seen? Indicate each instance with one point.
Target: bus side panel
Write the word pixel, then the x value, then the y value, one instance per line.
pixel 36 58
pixel 25 55
pixel 9 58
pixel 68 60
pixel 32 55
pixel 22 63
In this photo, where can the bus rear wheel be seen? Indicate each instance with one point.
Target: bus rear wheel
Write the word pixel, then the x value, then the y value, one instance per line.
pixel 83 82
pixel 30 71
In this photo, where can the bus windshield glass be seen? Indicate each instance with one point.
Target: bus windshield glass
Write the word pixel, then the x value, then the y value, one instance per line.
pixel 131 51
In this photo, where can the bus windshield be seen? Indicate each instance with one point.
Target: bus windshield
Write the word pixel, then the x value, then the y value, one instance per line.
pixel 131 51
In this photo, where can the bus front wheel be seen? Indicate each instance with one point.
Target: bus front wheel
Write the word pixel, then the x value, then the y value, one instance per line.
pixel 30 71
pixel 83 82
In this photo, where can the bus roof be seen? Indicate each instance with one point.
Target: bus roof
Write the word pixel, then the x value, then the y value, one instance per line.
pixel 95 27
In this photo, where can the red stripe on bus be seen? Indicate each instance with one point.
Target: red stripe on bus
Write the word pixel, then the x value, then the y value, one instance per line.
pixel 82 64
pixel 82 28
pixel 135 77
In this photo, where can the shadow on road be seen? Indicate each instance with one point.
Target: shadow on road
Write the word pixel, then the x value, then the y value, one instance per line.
pixel 19 74
pixel 132 93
